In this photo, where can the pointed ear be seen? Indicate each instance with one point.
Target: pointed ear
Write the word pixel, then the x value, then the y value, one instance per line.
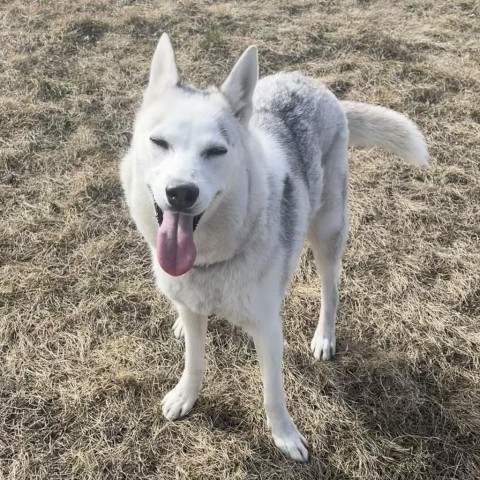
pixel 163 71
pixel 238 88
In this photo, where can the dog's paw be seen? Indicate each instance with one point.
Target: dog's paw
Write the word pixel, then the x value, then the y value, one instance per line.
pixel 178 328
pixel 323 346
pixel 179 401
pixel 291 442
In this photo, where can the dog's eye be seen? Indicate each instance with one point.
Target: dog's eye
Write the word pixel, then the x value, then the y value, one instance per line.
pixel 214 151
pixel 160 142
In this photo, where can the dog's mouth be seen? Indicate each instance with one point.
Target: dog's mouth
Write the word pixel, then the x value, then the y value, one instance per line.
pixel 176 251
pixel 159 216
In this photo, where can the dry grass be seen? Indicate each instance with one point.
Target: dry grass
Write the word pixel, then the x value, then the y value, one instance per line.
pixel 85 341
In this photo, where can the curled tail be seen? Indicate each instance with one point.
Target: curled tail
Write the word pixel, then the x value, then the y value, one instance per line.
pixel 371 126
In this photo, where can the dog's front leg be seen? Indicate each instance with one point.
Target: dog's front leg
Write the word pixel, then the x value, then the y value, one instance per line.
pixel 268 339
pixel 180 400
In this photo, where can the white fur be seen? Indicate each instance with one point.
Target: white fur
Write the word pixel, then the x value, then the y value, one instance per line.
pixel 241 261
pixel 372 125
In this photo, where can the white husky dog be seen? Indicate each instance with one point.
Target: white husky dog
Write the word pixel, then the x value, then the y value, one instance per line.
pixel 225 184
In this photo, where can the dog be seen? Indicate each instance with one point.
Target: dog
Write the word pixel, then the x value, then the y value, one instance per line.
pixel 225 184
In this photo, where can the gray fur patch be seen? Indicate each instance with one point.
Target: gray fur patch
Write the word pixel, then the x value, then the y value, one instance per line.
pixel 277 127
pixel 288 214
pixel 193 90
pixel 304 116
pixel 291 109
pixel 224 133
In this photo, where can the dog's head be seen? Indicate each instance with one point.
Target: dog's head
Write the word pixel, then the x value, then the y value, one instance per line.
pixel 191 146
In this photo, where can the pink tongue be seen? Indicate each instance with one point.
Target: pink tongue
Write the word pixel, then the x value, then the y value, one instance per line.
pixel 176 251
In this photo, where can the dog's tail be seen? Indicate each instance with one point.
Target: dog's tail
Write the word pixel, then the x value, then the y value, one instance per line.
pixel 371 126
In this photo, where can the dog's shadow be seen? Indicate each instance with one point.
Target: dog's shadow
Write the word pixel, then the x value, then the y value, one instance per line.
pixel 398 412
pixel 370 402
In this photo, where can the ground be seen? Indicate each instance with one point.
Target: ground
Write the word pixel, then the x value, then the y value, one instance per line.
pixel 86 347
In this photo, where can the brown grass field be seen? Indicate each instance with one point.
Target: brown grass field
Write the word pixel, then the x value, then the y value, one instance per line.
pixel 86 348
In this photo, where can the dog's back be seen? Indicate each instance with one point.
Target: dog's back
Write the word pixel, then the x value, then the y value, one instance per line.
pixel 303 117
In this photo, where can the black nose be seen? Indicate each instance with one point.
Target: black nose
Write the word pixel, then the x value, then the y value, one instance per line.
pixel 182 196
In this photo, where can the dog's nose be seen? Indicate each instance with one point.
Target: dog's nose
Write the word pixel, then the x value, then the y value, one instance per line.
pixel 182 196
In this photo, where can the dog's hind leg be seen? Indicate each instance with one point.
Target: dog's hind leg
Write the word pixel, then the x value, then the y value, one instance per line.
pixel 328 235
pixel 180 400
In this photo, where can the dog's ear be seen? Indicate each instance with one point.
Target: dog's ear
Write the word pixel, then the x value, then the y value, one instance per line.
pixel 238 88
pixel 163 71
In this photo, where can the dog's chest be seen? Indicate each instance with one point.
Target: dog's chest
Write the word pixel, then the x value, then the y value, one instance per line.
pixel 221 291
